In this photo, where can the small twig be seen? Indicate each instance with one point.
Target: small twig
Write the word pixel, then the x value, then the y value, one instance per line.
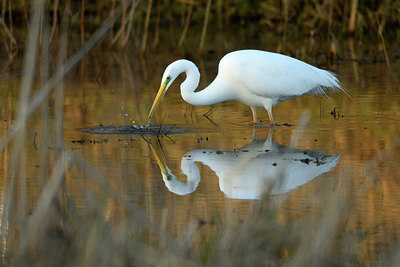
pixel 162 122
pixel 148 141
pixel 170 129
pixel 209 112
pixel 170 138
pixel 34 141
pixel 161 147
pixel 211 121
pixel 14 42
pixel 380 28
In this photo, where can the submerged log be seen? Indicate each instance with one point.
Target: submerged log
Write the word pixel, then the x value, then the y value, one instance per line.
pixel 136 129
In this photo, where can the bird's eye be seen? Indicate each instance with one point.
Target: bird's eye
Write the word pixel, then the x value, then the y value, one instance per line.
pixel 169 78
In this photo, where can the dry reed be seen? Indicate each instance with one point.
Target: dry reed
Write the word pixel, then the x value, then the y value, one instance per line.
pixel 325 18
pixel 146 27
pixel 205 23
pixel 186 26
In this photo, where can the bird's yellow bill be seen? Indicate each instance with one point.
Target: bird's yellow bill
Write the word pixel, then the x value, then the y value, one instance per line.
pixel 160 161
pixel 157 100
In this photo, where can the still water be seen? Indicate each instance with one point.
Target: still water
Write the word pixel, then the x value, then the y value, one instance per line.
pixel 222 165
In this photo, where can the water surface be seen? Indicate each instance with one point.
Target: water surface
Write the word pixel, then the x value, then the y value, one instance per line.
pixel 353 143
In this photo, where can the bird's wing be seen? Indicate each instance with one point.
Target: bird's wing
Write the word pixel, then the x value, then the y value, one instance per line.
pixel 273 75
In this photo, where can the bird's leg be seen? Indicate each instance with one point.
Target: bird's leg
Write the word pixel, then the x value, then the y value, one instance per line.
pixel 268 107
pixel 269 138
pixel 254 115
pixel 271 119
pixel 254 136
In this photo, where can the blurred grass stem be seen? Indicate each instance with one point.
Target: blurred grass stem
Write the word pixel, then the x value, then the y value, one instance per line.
pixel 37 99
pixel 186 27
pixel 387 60
pixel 146 26
pixel 353 15
pixel 204 30
pixel 18 149
pixel 40 214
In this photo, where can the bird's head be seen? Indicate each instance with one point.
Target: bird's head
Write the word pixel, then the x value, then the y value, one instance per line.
pixel 169 76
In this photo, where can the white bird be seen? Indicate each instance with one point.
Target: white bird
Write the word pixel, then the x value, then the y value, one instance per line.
pixel 256 78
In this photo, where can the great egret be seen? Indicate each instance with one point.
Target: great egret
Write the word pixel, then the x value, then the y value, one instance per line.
pixel 256 78
pixel 247 172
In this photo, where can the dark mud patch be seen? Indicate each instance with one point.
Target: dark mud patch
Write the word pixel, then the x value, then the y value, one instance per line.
pixel 153 130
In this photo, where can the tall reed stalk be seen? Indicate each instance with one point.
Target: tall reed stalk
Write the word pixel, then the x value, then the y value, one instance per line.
pixel 146 26
pixel 353 13
pixel 157 30
pixel 15 211
pixel 186 25
pixel 82 22
pixel 205 23
pixel 387 60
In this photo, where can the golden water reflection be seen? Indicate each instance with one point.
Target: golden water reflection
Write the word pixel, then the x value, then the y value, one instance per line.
pixel 361 189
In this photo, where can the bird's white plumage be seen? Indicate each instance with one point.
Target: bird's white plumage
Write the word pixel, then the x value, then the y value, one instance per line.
pixel 256 78
pixel 274 75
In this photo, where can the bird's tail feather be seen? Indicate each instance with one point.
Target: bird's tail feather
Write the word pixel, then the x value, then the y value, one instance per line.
pixel 328 82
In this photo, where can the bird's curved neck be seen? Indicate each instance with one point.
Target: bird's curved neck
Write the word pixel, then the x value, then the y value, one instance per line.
pixel 214 93
pixel 190 169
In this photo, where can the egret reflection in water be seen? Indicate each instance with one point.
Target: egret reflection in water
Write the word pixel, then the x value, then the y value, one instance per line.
pixel 262 166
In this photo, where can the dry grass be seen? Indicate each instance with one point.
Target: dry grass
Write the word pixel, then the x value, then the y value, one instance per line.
pixel 326 19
